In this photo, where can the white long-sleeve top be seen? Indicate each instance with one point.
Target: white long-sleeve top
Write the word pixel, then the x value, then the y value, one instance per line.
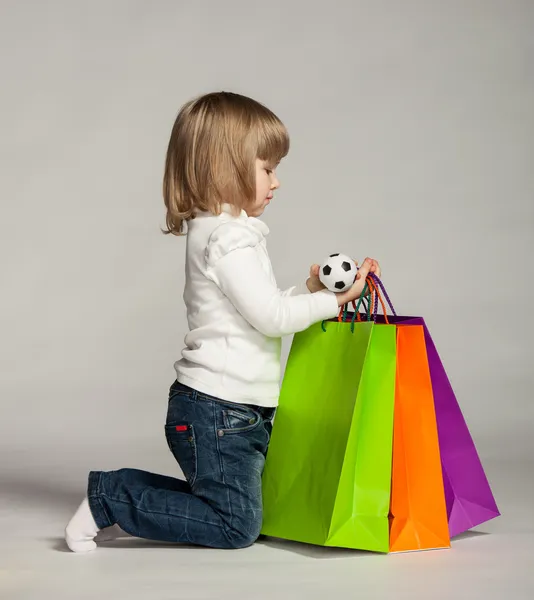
pixel 236 313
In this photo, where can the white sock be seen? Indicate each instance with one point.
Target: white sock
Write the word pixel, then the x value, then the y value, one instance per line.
pixel 82 529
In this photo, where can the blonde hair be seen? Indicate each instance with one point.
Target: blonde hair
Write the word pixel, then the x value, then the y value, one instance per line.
pixel 212 152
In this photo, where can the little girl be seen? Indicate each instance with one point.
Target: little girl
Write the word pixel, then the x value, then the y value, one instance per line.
pixel 219 177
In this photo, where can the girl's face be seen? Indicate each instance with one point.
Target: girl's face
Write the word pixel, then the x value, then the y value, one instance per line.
pixel 266 183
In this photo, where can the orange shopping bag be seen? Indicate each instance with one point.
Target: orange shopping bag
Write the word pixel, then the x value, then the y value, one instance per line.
pixel 418 514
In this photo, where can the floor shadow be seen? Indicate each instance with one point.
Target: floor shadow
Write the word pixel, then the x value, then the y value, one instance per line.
pixel 58 544
pixel 307 550
pixel 467 535
pixel 127 543
pixel 323 552
pixel 311 551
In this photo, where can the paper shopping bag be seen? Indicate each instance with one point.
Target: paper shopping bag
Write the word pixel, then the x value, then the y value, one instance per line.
pixel 470 501
pixel 327 477
pixel 418 519
pixel 468 495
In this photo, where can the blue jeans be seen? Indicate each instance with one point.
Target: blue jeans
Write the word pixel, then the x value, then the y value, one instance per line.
pixel 221 449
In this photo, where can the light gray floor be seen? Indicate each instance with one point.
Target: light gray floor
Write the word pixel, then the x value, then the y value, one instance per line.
pixel 494 562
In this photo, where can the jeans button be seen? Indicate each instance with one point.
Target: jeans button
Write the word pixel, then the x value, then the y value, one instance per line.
pixel 252 421
pixel 220 433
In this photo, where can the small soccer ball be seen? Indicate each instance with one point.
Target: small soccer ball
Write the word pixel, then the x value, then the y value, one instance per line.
pixel 338 273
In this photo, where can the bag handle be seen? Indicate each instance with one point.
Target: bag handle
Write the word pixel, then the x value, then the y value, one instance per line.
pixel 378 293
pixel 378 282
pixel 373 293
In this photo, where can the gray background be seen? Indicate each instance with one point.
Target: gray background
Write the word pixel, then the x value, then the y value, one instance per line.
pixel 412 129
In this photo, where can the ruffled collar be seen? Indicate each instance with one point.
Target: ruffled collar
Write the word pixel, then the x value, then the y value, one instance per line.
pixel 252 221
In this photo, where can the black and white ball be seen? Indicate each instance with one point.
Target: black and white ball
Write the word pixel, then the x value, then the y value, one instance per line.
pixel 338 273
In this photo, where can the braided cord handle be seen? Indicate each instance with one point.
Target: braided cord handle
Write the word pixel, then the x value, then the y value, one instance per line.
pixel 378 282
pixel 377 289
pixel 373 293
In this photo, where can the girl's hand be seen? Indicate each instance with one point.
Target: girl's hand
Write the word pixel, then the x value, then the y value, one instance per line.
pixel 375 268
pixel 314 283
pixel 369 266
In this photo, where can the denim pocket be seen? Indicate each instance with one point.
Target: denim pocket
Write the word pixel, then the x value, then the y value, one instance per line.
pixel 182 443
pixel 240 419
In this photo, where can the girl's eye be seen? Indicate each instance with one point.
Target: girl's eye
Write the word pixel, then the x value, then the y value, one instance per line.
pixel 269 171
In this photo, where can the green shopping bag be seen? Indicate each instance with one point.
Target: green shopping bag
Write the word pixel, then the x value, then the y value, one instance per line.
pixel 327 477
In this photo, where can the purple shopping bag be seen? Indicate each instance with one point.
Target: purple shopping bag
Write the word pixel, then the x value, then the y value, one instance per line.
pixel 468 495
pixel 469 498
